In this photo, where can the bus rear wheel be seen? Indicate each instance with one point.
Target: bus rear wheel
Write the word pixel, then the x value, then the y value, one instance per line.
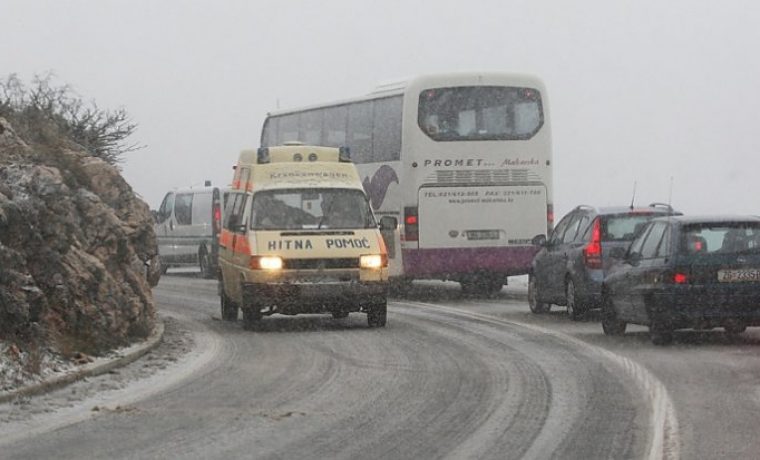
pixel 482 285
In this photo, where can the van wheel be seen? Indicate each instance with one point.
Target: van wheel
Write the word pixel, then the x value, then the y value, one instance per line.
pixel 377 312
pixel 205 265
pixel 229 309
pixel 535 305
pixel 164 266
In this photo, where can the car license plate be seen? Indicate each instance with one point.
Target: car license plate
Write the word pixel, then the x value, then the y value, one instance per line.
pixel 482 234
pixel 738 276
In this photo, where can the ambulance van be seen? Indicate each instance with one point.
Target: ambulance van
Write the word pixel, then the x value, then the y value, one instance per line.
pixel 299 236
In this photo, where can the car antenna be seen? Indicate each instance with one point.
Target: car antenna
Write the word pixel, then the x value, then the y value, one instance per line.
pixel 634 193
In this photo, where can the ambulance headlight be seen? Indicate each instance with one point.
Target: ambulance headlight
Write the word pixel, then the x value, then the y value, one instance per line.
pixel 373 261
pixel 266 263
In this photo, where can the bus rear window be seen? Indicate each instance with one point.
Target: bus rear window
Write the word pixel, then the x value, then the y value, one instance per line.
pixel 469 113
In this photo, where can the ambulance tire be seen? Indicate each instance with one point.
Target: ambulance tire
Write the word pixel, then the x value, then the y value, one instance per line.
pixel 377 312
pixel 251 318
pixel 229 309
pixel 251 311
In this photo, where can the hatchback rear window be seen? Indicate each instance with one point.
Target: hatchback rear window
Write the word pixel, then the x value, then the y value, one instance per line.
pixel 623 227
pixel 726 238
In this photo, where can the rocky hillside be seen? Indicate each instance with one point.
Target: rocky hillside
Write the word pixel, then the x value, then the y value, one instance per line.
pixel 77 251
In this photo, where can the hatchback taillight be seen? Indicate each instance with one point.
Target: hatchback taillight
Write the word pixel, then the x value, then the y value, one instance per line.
pixel 592 253
pixel 411 224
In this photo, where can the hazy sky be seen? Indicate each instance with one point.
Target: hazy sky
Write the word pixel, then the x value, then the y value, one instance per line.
pixel 638 90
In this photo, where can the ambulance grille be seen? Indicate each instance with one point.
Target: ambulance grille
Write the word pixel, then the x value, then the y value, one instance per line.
pixel 316 264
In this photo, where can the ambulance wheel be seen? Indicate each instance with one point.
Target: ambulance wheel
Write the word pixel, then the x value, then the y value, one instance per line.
pixel 377 311
pixel 229 309
pixel 251 318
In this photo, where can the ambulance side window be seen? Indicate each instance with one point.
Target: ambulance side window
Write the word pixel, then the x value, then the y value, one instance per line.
pixel 234 211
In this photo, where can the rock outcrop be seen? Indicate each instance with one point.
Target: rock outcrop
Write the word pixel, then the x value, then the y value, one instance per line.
pixel 77 249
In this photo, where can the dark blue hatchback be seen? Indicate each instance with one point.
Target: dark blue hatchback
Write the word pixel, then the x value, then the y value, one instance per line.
pixel 687 272
pixel 570 267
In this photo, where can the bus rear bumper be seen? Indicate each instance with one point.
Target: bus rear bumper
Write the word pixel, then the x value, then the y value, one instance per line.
pixel 455 263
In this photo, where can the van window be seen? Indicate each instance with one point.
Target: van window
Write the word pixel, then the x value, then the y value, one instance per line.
pixel 296 209
pixel 165 211
pixel 202 208
pixel 183 208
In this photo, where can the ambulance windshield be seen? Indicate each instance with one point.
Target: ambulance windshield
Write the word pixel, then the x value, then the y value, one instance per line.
pixel 297 209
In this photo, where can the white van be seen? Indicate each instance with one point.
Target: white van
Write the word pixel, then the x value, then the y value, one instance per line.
pixel 299 236
pixel 187 228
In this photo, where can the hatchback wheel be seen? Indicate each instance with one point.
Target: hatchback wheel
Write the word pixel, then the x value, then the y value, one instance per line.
pixel 535 305
pixel 611 325
pixel 574 311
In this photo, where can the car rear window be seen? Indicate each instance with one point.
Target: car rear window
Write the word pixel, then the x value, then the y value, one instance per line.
pixel 726 238
pixel 623 227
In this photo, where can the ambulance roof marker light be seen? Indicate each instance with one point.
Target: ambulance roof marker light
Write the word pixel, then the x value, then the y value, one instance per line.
pixel 263 156
pixel 344 154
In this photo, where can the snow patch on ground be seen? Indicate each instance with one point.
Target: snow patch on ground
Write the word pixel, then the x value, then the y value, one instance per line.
pixel 21 368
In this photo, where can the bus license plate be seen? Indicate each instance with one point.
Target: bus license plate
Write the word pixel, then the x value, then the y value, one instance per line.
pixel 482 234
pixel 738 276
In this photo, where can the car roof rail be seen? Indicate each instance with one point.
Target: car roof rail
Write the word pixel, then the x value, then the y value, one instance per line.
pixel 584 206
pixel 661 205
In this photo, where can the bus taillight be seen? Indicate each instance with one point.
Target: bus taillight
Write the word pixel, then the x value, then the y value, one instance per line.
pixel 549 219
pixel 411 224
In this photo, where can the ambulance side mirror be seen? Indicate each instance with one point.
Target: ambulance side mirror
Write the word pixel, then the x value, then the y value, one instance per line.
pixel 388 223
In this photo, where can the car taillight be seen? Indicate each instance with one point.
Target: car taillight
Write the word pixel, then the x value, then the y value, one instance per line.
pixel 411 224
pixel 680 278
pixel 592 253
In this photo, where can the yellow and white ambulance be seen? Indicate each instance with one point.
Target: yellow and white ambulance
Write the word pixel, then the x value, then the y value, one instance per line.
pixel 299 236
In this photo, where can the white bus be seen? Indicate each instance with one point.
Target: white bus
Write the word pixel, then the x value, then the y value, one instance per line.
pixel 463 161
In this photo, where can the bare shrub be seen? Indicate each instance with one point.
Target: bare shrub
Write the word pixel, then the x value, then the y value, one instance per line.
pixel 52 114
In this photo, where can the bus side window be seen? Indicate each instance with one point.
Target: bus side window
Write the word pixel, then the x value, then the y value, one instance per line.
pixel 360 131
